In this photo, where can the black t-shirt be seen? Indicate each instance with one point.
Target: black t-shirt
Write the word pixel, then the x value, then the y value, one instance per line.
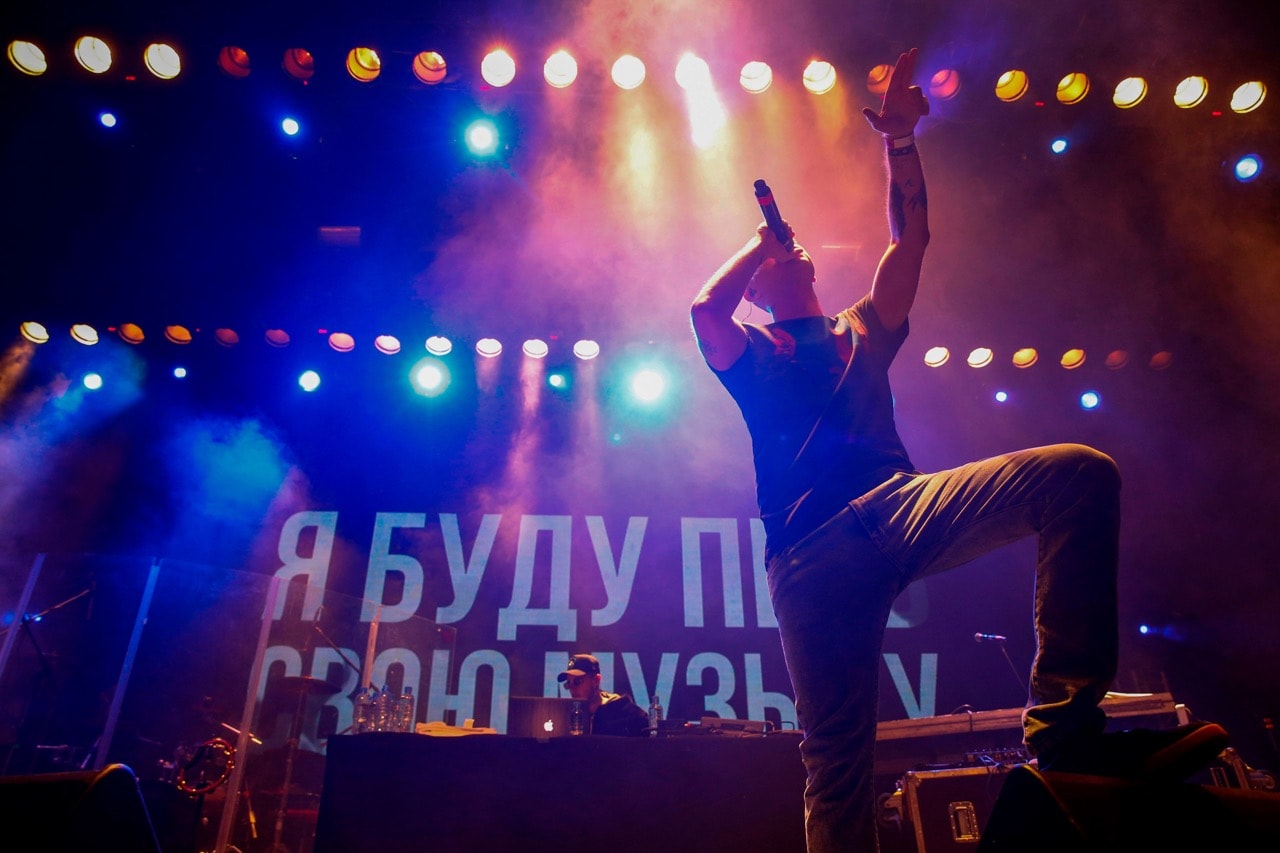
pixel 831 372
pixel 619 715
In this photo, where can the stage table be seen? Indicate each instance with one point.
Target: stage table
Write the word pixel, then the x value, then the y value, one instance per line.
pixel 386 792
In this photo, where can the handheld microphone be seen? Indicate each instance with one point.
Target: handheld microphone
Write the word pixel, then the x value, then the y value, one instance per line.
pixel 988 638
pixel 772 218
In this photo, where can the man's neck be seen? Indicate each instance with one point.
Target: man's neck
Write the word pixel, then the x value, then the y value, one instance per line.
pixel 802 305
pixel 796 313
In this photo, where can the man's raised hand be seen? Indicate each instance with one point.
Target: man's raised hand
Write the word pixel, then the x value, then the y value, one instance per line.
pixel 903 103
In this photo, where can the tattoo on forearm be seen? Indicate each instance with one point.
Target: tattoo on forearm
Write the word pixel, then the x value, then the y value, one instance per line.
pixel 897 215
pixel 920 199
pixel 899 202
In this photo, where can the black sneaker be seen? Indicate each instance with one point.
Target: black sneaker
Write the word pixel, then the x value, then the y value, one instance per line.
pixel 1170 755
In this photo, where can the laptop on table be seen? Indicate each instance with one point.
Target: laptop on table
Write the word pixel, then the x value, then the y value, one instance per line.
pixel 539 716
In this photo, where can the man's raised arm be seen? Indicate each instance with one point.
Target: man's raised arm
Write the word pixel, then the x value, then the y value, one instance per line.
pixel 894 289
pixel 719 334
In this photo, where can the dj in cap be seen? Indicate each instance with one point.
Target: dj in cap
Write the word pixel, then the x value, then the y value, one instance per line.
pixel 607 713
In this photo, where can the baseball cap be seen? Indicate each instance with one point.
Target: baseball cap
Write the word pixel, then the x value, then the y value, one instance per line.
pixel 580 665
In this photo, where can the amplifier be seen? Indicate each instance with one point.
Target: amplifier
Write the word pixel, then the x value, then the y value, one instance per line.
pixel 942 810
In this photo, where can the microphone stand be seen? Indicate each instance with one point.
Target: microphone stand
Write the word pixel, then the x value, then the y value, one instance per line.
pixel 1022 682
pixel 1017 673
pixel 44 675
pixel 330 643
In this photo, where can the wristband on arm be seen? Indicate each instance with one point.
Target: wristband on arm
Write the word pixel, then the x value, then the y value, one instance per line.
pixel 900 145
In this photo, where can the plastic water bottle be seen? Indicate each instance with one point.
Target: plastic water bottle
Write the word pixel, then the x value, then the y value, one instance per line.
pixel 382 711
pixel 655 715
pixel 364 711
pixel 404 723
pixel 577 724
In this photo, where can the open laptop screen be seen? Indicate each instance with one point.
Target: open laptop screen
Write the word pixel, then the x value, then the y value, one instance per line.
pixel 539 716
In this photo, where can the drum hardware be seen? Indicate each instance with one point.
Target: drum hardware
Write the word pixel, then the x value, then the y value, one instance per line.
pixel 302 687
pixel 207 767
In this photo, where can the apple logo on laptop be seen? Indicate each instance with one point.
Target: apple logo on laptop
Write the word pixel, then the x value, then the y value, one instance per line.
pixel 549 726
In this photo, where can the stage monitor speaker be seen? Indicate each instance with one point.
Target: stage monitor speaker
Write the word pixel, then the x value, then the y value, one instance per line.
pixel 78 811
pixel 1070 813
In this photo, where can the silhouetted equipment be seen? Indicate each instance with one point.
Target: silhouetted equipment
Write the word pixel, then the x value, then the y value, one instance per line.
pixel 1066 812
pixel 81 810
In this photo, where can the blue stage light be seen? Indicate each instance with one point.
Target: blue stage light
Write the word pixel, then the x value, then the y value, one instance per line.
pixel 1176 632
pixel 1090 400
pixel 648 385
pixel 482 137
pixel 430 377
pixel 1248 168
pixel 1059 145
pixel 290 126
pixel 309 380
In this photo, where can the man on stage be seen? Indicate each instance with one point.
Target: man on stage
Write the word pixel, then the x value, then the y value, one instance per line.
pixel 850 522
pixel 606 713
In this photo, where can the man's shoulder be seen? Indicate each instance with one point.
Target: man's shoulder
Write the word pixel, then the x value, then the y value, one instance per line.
pixel 621 703
pixel 619 715
pixel 865 320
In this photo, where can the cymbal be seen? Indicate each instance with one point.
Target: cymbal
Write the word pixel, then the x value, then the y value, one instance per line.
pixel 305 684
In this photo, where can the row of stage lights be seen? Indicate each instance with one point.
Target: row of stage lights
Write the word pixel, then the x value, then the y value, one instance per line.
pixel 560 70
pixel 647 385
pixel 537 348
pixel 438 345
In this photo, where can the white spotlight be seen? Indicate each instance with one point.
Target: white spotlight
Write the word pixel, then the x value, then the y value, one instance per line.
pixel 628 72
pixel 648 385
pixel 586 350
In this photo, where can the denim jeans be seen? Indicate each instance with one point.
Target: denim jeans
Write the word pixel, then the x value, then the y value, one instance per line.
pixel 833 590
